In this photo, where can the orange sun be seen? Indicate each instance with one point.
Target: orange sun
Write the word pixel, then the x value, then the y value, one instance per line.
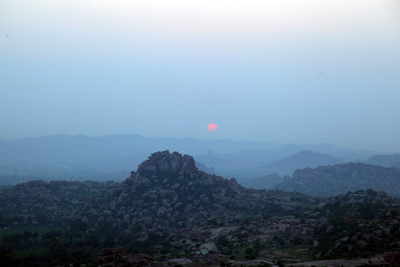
pixel 212 127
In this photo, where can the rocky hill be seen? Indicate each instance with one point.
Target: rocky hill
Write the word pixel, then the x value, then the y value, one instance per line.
pixel 300 160
pixel 339 179
pixel 170 213
pixel 357 224
pixel 167 192
pixel 384 160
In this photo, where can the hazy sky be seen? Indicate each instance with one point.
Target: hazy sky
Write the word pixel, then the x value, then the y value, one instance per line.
pixel 300 71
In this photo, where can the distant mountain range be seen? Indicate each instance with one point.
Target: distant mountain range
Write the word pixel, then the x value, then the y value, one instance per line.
pixel 67 157
pixel 249 164
pixel 61 156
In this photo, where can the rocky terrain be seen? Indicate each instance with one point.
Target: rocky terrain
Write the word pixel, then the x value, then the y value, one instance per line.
pixel 357 224
pixel 170 213
pixel 167 191
pixel 338 179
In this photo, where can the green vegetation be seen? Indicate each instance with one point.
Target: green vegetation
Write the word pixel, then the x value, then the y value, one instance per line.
pixel 301 254
pixel 179 216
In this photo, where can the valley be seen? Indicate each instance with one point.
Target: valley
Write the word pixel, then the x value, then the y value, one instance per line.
pixel 169 210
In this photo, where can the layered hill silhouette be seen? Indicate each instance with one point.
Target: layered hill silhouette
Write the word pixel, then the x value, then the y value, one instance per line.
pixel 68 157
pixel 276 170
pixel 170 209
pixel 339 179
pixel 167 190
pixel 385 160
pixel 300 160
pixel 247 164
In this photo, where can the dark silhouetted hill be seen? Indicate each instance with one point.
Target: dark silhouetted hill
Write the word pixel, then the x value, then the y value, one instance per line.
pixel 68 157
pixel 170 209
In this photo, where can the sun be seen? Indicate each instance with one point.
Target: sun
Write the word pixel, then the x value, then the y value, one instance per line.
pixel 212 127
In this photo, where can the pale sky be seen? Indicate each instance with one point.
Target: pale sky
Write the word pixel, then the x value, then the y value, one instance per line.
pixel 300 71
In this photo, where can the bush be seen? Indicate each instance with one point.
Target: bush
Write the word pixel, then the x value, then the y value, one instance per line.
pixel 55 263
pixel 212 221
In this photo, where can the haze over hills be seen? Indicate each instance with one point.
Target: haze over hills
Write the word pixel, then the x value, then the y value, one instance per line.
pixel 247 164
pixel 179 214
pixel 300 160
pixel 65 157
pixel 67 148
pixel 312 85
pixel 385 160
pixel 328 181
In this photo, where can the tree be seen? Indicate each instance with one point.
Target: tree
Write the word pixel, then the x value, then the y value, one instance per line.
pixel 26 235
pixel 35 235
pixel 29 220
pixel 6 239
pixel 16 238
pixel 78 225
pixel 42 219
pixel 57 250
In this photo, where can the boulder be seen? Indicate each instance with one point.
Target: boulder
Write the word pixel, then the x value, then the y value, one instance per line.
pixel 108 255
pixel 393 258
pixel 362 244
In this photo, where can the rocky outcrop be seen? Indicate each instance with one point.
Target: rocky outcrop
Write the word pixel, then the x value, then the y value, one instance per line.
pixel 393 259
pixel 167 192
pixel 176 208
pixel 166 162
